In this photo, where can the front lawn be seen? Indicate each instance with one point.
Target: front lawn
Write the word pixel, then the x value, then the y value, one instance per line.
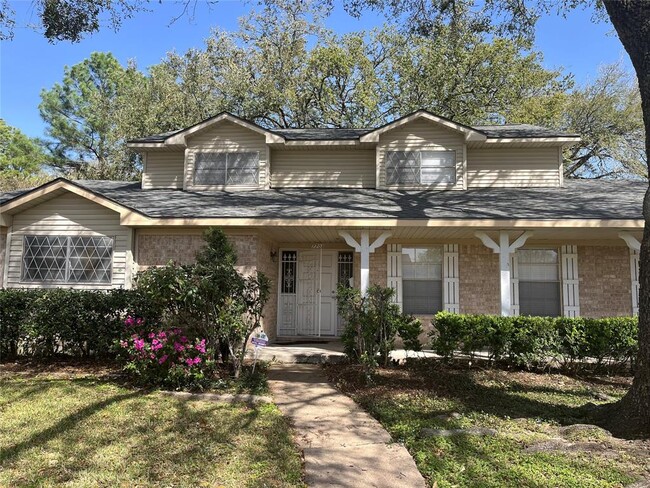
pixel 527 411
pixel 79 430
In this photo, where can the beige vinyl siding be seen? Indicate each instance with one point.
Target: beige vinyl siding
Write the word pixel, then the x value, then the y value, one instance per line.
pixel 421 135
pixel 68 215
pixel 163 169
pixel 513 167
pixel 312 168
pixel 226 137
pixel 3 253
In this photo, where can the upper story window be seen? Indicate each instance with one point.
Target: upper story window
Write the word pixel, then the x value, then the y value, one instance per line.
pixel 226 168
pixel 539 282
pixel 420 167
pixel 67 259
pixel 422 279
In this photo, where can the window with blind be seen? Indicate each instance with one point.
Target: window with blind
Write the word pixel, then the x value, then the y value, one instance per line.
pixel 67 259
pixel 420 167
pixel 222 169
pixel 539 282
pixel 422 280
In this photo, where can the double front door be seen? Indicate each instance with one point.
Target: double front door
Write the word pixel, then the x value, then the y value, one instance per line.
pixel 309 307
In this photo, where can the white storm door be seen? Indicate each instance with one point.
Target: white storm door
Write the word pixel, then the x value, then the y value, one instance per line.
pixel 328 308
pixel 308 278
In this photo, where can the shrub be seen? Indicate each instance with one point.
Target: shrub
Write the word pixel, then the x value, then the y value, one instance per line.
pixel 80 323
pixel 165 357
pixel 372 324
pixel 535 341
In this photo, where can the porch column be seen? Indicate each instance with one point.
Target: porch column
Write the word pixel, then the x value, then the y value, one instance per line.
pixel 504 249
pixel 365 249
pixel 635 250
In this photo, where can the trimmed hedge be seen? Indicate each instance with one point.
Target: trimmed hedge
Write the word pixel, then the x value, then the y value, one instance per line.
pixel 538 341
pixel 78 323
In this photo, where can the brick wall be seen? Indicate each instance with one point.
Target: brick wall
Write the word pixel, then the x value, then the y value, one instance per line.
pixel 378 265
pixel 479 280
pixel 267 266
pixel 605 281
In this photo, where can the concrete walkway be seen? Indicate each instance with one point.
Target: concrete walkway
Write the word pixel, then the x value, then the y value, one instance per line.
pixel 342 444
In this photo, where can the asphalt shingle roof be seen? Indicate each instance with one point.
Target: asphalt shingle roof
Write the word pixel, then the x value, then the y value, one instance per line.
pixel 519 131
pixel 578 199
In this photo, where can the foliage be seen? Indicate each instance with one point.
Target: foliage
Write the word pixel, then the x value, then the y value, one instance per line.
pixel 21 159
pixel 210 299
pixel 537 341
pixel 372 323
pixel 84 119
pixel 82 323
pixel 607 115
pixel 165 357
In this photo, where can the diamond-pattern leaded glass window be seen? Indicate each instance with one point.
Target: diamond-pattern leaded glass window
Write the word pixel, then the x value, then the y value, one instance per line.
pixel 420 167
pixel 67 259
pixel 233 168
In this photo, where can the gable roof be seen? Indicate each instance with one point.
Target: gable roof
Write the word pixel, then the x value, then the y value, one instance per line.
pixel 475 133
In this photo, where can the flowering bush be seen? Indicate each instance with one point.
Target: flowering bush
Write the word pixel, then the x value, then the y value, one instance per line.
pixel 165 357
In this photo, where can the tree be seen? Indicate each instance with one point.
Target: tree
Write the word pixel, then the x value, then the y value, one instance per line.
pixel 631 20
pixel 607 115
pixel 83 117
pixel 21 159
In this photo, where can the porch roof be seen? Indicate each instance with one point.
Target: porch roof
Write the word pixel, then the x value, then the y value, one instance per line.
pixel 578 199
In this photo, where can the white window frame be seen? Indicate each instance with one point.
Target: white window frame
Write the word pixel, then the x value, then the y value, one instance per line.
pixel 424 159
pixel 559 281
pixel 228 156
pixel 68 267
pixel 404 296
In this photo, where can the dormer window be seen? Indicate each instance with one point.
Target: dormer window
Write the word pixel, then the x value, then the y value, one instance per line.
pixel 420 167
pixel 226 168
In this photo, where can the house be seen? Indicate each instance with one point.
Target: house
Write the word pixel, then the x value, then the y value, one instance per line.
pixel 458 218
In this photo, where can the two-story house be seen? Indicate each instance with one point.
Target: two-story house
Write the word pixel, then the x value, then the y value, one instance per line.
pixel 466 219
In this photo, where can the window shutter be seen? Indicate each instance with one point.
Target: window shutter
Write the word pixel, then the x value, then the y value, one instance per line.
pixel 394 272
pixel 514 284
pixel 570 283
pixel 634 268
pixel 450 281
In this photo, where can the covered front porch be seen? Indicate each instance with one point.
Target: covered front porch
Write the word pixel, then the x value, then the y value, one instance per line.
pixel 543 268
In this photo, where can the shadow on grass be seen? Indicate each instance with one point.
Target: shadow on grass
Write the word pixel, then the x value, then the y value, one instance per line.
pixel 64 425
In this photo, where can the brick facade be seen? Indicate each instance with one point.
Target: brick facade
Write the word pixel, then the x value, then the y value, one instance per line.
pixel 269 266
pixel 479 287
pixel 605 281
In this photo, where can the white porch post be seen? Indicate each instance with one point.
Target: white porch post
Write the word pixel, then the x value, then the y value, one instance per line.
pixel 635 249
pixel 365 249
pixel 504 249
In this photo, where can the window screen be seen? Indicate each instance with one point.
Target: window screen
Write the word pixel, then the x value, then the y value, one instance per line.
pixel 235 168
pixel 539 282
pixel 67 259
pixel 420 167
pixel 422 280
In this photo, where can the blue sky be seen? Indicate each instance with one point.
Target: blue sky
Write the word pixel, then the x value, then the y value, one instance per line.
pixel 29 63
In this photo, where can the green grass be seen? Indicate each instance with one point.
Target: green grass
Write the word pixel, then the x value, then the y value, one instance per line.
pixel 524 408
pixel 87 432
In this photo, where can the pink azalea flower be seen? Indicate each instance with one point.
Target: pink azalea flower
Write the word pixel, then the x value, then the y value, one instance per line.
pixel 124 344
pixel 201 346
pixel 129 321
pixel 162 335
pixel 151 335
pixel 197 360
pixel 138 344
pixel 178 347
pixel 183 339
pixel 163 359
pixel 152 356
pixel 189 361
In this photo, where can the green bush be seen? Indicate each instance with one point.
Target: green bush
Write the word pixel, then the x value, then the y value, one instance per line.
pixel 79 323
pixel 372 324
pixel 534 342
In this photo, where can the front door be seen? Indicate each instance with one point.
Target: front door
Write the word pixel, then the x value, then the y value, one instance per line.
pixel 316 307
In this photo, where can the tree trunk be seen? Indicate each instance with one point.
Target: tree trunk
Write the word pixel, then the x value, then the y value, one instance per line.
pixel 631 416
